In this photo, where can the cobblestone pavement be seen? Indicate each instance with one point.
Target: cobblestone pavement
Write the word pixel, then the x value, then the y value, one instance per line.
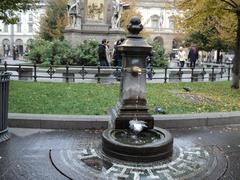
pixel 46 154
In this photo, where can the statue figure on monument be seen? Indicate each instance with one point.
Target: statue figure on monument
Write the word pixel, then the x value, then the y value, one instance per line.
pixel 74 13
pixel 117 13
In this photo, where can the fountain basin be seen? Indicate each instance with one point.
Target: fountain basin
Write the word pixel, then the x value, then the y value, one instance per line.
pixel 148 146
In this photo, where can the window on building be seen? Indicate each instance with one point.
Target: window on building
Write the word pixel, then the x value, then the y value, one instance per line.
pixel 155 23
pixel 30 27
pixel 171 25
pixel 30 17
pixel 19 27
pixel 19 17
pixel 5 29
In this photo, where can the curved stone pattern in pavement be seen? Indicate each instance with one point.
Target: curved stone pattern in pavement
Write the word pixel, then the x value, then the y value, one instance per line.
pixel 186 163
pixel 4 136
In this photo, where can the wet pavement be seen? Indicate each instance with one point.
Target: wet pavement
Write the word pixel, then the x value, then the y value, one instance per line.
pixel 200 153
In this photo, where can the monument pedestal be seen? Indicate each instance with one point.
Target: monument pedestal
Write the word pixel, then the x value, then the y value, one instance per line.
pixel 92 31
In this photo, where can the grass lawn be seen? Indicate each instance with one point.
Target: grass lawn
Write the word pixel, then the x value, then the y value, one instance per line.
pixel 95 99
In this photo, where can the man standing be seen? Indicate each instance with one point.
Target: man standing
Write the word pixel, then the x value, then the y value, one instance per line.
pixel 102 53
pixel 193 56
pixel 14 53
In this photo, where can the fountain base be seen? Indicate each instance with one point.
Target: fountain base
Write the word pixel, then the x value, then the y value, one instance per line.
pixel 148 146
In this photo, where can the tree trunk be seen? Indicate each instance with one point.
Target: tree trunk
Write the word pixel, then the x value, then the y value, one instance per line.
pixel 236 60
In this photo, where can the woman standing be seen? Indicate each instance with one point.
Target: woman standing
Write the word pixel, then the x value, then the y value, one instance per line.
pixel 182 56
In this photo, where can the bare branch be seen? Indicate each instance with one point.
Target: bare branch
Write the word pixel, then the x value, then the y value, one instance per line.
pixel 234 2
pixel 230 10
pixel 234 5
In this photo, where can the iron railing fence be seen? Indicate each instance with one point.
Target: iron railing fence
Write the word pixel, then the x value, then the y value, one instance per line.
pixel 67 73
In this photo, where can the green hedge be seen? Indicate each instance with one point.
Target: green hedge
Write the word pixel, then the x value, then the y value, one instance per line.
pixel 61 52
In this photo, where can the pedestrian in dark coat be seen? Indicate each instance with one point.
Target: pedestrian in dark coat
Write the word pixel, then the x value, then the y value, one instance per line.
pixel 14 53
pixel 193 56
pixel 117 57
pixel 102 53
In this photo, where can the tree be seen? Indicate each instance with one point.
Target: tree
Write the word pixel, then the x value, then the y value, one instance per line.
pixel 159 58
pixel 129 13
pixel 207 40
pixel 225 16
pixel 9 8
pixel 55 20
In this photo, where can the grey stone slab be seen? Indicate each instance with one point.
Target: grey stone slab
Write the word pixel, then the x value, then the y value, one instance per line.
pixel 98 122
pixel 25 123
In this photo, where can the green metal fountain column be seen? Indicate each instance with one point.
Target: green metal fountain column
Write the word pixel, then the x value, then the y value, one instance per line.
pixel 132 102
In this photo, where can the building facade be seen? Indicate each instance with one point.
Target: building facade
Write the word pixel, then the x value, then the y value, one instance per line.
pixel 157 19
pixel 21 34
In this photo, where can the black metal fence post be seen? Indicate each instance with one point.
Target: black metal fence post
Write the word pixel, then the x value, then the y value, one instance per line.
pixel 221 72
pixel 165 75
pixel 180 74
pixel 229 71
pixel 35 72
pixel 67 73
pixel 192 74
pixel 83 72
pixel 19 71
pixel 5 66
pixel 212 74
pixel 203 74
pixel 98 74
pixel 4 93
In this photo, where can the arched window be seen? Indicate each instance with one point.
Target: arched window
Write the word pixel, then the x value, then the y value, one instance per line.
pixel 175 43
pixel 29 42
pixel 159 39
pixel 19 46
pixel 155 22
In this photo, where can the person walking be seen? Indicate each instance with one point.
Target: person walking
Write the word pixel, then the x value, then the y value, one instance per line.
pixel 182 56
pixel 193 56
pixel 102 53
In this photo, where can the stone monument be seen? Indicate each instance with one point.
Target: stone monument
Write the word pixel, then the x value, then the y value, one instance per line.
pixel 94 19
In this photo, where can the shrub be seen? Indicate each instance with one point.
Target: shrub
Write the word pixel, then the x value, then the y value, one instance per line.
pixel 87 53
pixel 60 53
pixel 39 51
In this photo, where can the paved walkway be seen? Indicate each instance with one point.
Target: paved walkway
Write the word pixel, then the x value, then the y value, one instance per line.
pixel 9 60
pixel 27 154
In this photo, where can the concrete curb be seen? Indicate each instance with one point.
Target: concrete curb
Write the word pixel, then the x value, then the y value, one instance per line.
pixel 45 121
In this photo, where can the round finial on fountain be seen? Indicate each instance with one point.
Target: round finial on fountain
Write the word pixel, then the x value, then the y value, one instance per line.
pixel 135 26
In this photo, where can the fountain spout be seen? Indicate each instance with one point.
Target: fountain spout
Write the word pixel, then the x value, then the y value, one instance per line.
pixel 136 71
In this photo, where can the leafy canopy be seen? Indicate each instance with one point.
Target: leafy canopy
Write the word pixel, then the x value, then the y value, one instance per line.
pixel 55 20
pixel 129 13
pixel 213 19
pixel 8 9
pixel 159 58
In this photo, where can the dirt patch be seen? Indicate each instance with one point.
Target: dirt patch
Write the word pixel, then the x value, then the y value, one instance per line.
pixel 196 98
